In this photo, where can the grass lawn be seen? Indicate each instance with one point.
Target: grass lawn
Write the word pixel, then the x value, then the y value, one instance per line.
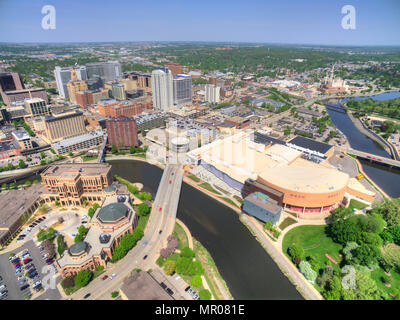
pixel 143 221
pixel 181 235
pixel 314 241
pixel 208 187
pixel 194 178
pixel 231 202
pixel 394 283
pixel 286 223
pixel 354 204
pixel 391 253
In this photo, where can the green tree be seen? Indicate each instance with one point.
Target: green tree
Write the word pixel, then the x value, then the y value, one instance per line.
pixel 82 278
pixel 114 149
pixel 143 209
pixel 296 252
pixel 187 252
pixel 22 164
pixel 196 281
pixel 169 267
pixel 268 225
pixel 366 254
pixel 205 294
pixel 114 294
pixel 42 155
pixel 90 212
pixel 307 271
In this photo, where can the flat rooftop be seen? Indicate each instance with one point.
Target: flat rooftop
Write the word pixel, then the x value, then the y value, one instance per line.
pixel 16 202
pixel 84 169
pixel 142 286
pixel 311 144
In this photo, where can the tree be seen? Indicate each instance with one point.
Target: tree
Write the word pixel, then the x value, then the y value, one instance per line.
pixel 390 211
pixel 196 281
pixel 144 196
pixel 42 155
pixel 61 245
pixel 366 254
pixel 42 162
pixel 296 251
pixel 169 267
pixel 348 251
pixel 187 252
pixel 114 294
pixel 82 278
pixel 90 212
pixel 131 149
pixel 22 164
pixel 372 239
pixel 182 265
pixel 268 225
pixel 143 209
pixel 205 294
pixel 387 237
pixel 307 271
pixel 78 238
pixel 395 232
pixel 365 289
pixel 114 149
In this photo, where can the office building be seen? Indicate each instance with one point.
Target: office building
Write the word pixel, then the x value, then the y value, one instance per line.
pixel 108 71
pixel 63 76
pixel 113 108
pixel 36 107
pixel 78 143
pixel 212 93
pixel 84 98
pixel 182 85
pixel 16 96
pixel 23 139
pixel 118 91
pixel 75 85
pixel 162 89
pixel 68 123
pixel 122 132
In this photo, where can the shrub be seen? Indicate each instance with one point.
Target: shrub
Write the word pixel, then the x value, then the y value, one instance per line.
pixel 143 209
pixel 196 281
pixel 296 251
pixel 187 252
pixel 169 267
pixel 307 271
pixel 114 294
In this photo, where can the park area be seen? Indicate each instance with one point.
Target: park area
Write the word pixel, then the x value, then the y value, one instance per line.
pixel 315 242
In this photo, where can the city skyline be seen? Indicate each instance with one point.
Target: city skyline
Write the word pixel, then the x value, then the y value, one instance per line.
pixel 310 22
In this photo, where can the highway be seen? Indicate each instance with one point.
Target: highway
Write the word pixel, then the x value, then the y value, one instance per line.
pixel 167 199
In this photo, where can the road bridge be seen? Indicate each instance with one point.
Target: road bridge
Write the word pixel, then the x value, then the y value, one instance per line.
pixel 372 158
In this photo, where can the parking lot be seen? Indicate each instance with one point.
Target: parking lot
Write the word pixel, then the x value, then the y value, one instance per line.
pixel 173 282
pixel 10 279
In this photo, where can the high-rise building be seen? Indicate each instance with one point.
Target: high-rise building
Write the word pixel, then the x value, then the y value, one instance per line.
pixel 162 89
pixel 212 93
pixel 122 132
pixel 113 108
pixel 84 98
pixel 182 84
pixel 75 85
pixel 108 71
pixel 118 91
pixel 175 68
pixel 69 123
pixel 63 76
pixel 36 107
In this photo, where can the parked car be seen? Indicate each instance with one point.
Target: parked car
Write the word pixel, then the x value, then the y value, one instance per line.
pixel 35 277
pixel 145 257
pixel 105 277
pixel 86 296
pixel 24 287
pixel 170 291
pixel 50 262
pixel 23 282
pixel 163 285
pixel 187 288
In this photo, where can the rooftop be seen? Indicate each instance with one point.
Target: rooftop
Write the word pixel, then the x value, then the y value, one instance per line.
pixel 311 144
pixel 78 139
pixel 84 169
pixel 113 212
pixel 142 286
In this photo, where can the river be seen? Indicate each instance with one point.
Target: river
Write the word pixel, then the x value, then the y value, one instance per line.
pixel 385 178
pixel 248 270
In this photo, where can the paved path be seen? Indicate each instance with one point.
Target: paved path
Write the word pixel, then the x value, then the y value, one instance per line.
pixel 302 285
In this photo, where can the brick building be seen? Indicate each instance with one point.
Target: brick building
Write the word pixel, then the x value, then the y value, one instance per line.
pixel 122 132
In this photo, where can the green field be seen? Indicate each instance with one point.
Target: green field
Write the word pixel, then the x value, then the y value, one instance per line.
pixel 181 235
pixel 208 187
pixel 314 241
pixel 194 178
pixel 354 204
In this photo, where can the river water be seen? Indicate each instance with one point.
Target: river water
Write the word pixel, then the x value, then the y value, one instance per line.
pixel 248 270
pixel 385 178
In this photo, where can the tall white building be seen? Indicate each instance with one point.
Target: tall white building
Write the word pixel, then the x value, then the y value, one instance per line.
pixel 162 86
pixel 63 75
pixel 182 84
pixel 212 93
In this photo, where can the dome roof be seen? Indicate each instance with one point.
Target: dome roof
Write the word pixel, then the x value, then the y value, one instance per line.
pixel 78 248
pixel 113 212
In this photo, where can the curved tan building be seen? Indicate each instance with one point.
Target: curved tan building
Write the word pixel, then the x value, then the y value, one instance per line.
pixel 306 188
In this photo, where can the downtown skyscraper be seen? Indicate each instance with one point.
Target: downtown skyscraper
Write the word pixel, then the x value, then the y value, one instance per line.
pixel 162 87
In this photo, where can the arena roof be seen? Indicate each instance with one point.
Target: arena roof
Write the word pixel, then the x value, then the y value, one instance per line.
pixel 310 178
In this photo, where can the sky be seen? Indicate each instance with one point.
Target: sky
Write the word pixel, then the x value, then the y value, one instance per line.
pixel 285 21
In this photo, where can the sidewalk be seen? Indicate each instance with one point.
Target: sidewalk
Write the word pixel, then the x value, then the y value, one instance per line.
pixel 274 250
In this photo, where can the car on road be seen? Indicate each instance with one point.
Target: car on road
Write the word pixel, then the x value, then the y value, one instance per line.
pixel 112 276
pixel 105 277
pixel 170 181
pixel 86 296
pixel 159 232
pixel 145 257
pixel 160 209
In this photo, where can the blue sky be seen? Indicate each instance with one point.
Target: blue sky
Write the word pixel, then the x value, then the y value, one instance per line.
pixel 283 21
